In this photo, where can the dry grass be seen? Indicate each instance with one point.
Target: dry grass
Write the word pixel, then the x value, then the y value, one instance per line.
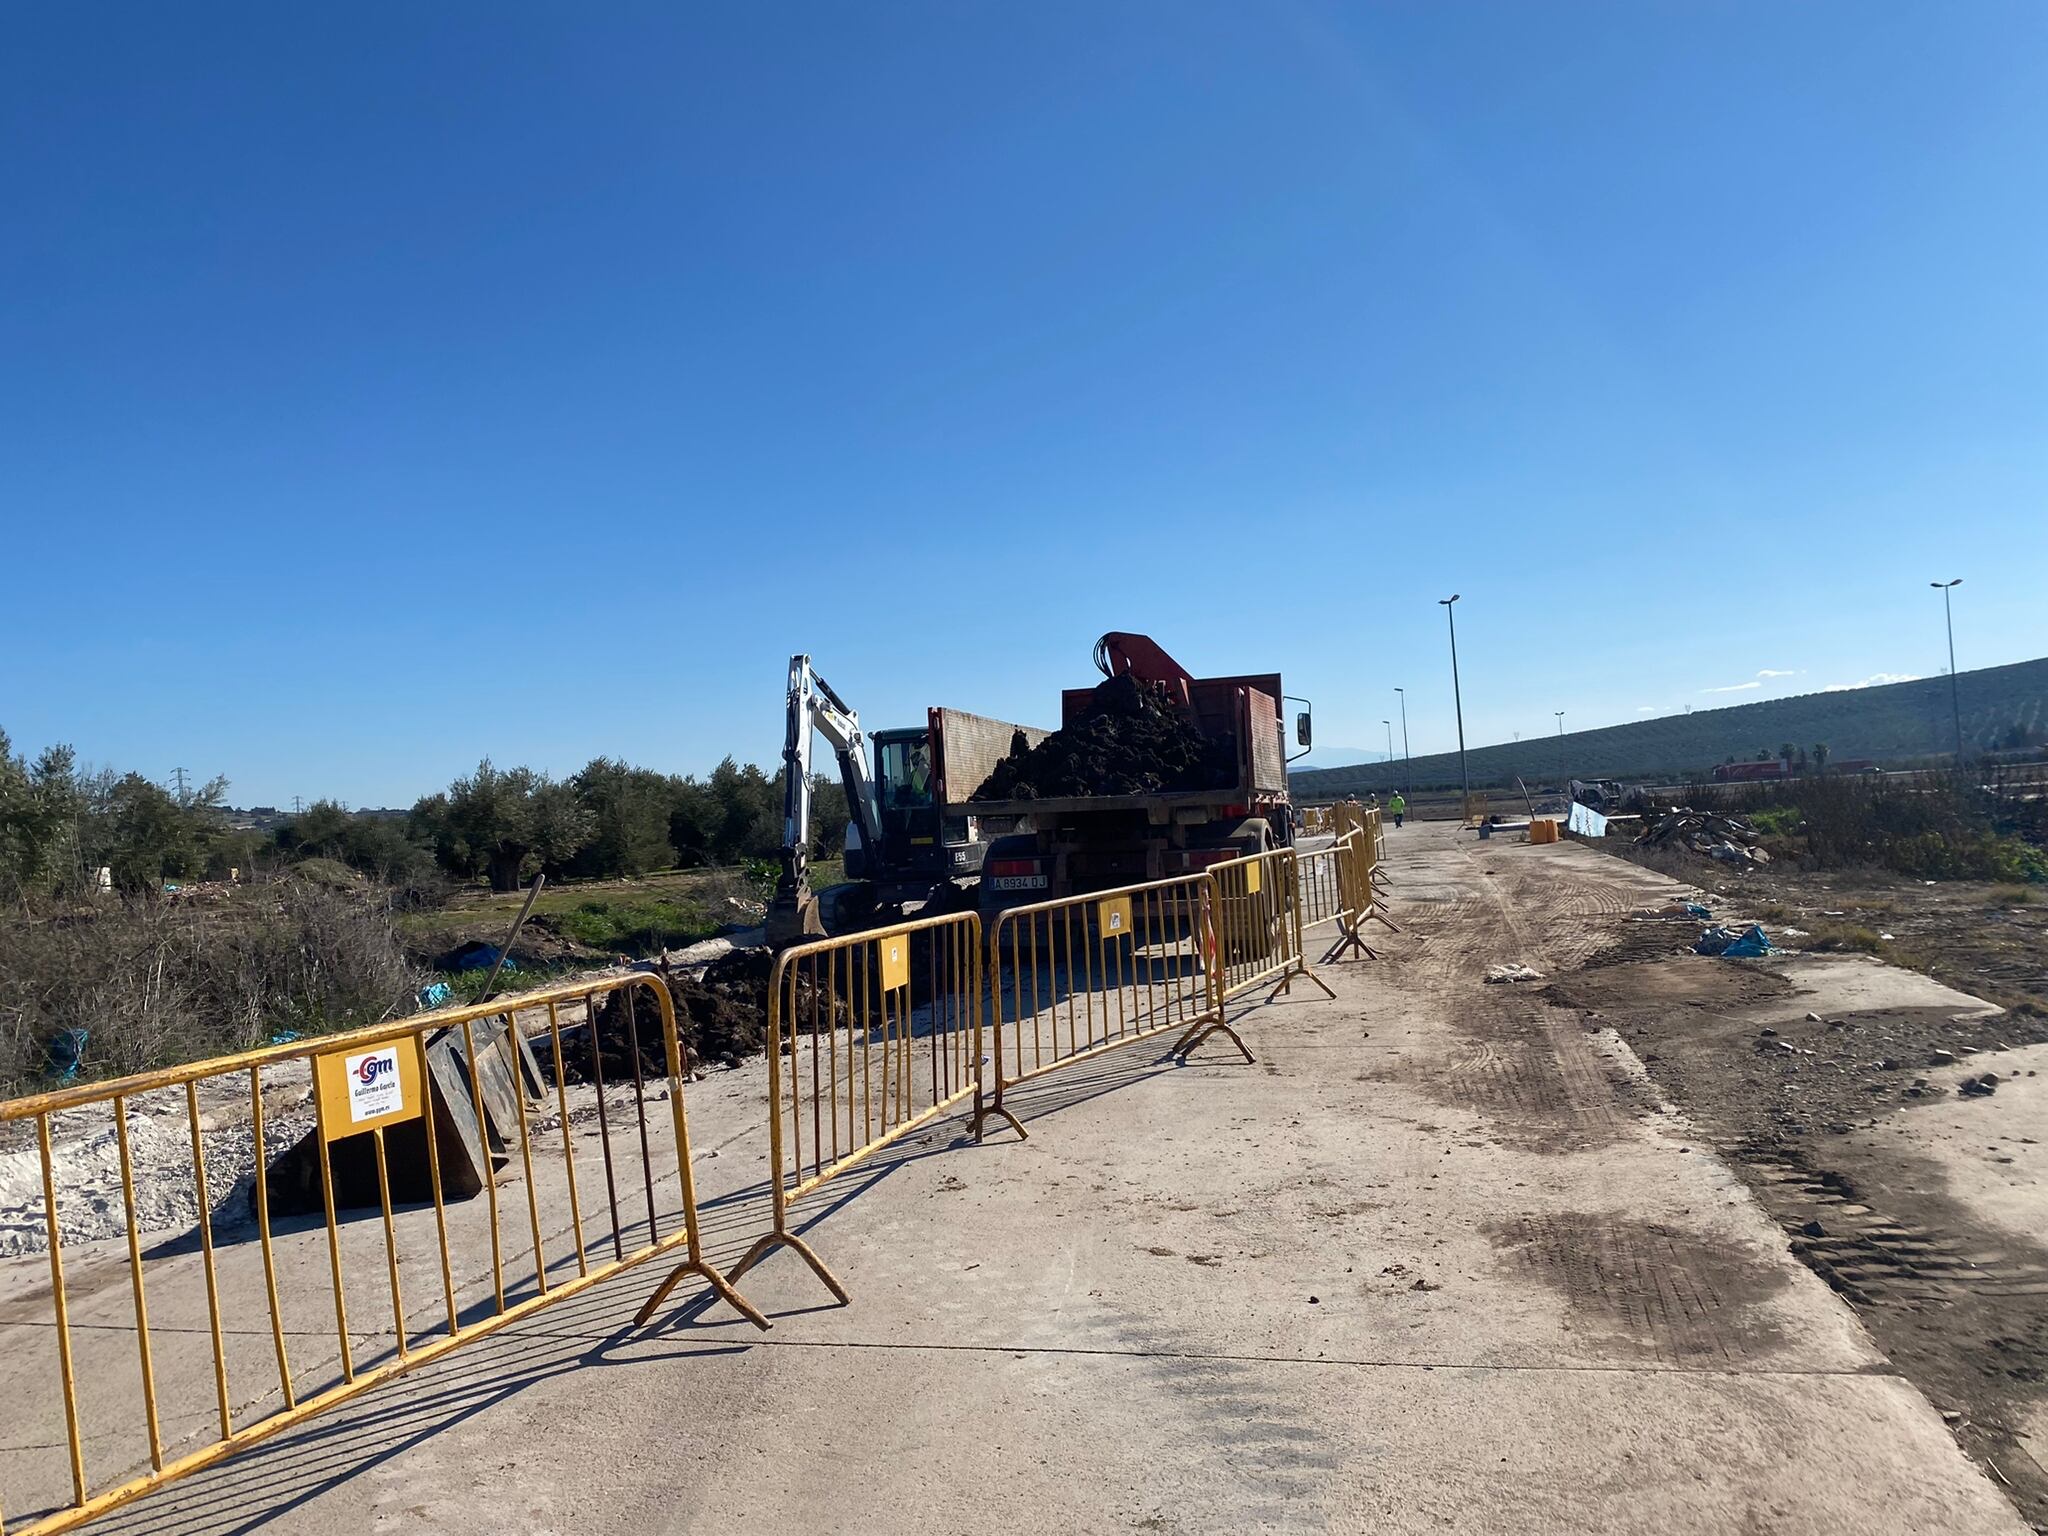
pixel 153 983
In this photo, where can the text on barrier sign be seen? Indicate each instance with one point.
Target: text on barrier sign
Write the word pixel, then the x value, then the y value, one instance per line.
pixel 364 1089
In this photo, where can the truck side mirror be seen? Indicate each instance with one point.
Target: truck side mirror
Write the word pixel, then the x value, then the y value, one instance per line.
pixel 1303 735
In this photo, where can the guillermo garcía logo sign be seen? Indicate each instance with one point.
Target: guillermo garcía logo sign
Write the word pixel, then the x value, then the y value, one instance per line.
pixel 374 1087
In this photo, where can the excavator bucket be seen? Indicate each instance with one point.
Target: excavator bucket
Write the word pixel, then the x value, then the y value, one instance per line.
pixel 793 915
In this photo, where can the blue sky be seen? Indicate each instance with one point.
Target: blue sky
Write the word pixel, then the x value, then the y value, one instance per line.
pixel 382 386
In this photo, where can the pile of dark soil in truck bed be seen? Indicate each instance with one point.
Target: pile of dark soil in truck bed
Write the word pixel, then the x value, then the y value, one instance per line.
pixel 1133 741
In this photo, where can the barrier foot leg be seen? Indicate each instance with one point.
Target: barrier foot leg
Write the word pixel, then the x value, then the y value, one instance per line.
pixel 1378 916
pixel 711 1277
pixel 1203 1031
pixel 769 1240
pixel 1312 976
pixel 1349 939
pixel 979 1123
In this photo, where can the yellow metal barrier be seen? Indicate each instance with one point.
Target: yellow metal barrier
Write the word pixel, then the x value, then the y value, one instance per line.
pixel 396 1120
pixel 869 1037
pixel 1077 976
pixel 1335 883
pixel 1362 837
pixel 1257 934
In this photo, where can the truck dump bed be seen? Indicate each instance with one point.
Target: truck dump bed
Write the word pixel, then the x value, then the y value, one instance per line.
pixel 965 750
pixel 1244 710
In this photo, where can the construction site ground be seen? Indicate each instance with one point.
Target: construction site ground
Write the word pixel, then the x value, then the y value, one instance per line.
pixel 1448 1257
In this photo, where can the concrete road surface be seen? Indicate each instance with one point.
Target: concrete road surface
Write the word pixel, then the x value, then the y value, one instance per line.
pixel 1439 1261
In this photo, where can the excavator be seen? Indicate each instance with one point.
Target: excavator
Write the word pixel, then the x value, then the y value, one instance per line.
pixel 903 848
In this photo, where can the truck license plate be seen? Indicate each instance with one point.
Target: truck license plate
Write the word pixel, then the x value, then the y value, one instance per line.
pixel 1017 882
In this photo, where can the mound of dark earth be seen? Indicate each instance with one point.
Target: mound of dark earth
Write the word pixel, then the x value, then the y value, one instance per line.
pixel 1132 741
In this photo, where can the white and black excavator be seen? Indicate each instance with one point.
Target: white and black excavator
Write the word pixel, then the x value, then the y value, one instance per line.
pixel 907 846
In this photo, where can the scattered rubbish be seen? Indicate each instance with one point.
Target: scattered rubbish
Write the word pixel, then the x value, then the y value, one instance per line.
pixel 283 1036
pixel 1694 909
pixel 434 994
pixel 1884 936
pixel 1978 1087
pixel 1513 973
pixel 476 955
pixel 1795 933
pixel 64 1053
pixel 1750 944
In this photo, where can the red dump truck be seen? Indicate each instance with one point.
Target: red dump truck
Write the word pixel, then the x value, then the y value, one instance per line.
pixel 1063 847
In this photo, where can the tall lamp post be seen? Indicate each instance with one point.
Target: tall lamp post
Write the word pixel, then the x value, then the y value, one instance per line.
pixel 1560 747
pixel 1458 699
pixel 1955 698
pixel 1405 759
pixel 1390 739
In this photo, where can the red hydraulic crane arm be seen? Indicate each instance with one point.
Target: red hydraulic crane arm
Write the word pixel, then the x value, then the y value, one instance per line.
pixel 1117 653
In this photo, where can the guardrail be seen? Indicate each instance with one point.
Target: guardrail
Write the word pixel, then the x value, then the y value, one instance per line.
pixel 1101 970
pixel 869 1036
pixel 393 1119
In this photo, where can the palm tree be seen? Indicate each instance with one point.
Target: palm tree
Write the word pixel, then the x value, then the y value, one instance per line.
pixel 1820 757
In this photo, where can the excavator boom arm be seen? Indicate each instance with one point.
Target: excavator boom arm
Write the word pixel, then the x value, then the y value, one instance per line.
pixel 814 706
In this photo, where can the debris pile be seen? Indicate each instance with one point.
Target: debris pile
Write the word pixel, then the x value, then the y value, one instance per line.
pixel 1133 741
pixel 721 1016
pixel 1727 838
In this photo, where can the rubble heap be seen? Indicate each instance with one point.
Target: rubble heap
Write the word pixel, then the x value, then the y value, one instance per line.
pixel 1727 838
pixel 1132 741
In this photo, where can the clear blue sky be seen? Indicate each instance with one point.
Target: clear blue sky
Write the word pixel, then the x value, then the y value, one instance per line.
pixel 386 385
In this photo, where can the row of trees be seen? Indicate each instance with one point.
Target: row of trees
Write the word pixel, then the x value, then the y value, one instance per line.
pixel 61 825
pixel 611 819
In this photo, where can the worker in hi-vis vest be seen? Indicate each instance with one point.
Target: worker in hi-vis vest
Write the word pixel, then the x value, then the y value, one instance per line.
pixel 1397 807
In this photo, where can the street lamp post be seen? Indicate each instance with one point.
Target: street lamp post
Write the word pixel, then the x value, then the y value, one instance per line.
pixel 1560 747
pixel 1458 700
pixel 1955 698
pixel 1390 739
pixel 1405 758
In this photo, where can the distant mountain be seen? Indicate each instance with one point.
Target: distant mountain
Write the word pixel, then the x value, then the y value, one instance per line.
pixel 1890 723
pixel 1337 757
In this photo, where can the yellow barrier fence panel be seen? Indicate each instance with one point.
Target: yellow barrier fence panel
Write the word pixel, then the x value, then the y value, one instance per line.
pixel 1258 926
pixel 869 1037
pixel 1080 975
pixel 323 1191
pixel 1321 879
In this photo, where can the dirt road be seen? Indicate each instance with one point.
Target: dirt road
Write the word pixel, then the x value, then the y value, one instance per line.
pixel 1444 1259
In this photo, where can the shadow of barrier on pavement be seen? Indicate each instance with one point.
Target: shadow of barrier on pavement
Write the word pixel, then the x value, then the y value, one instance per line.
pixel 398 1120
